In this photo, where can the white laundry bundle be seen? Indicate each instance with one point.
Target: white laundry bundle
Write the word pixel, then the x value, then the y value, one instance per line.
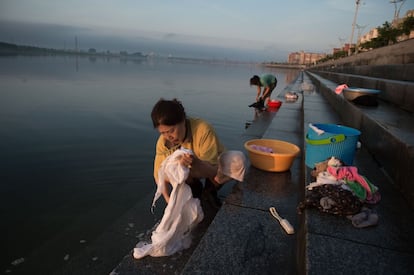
pixel 181 215
pixel 231 165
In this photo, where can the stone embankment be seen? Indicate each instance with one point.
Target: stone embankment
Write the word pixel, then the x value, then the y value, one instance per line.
pixel 395 62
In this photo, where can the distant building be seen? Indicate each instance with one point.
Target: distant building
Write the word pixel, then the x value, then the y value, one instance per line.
pixel 345 48
pixel 403 37
pixel 302 58
pixel 373 33
pixel 397 21
pixel 336 50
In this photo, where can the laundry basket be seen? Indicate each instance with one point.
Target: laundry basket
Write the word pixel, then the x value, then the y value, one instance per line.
pixel 336 140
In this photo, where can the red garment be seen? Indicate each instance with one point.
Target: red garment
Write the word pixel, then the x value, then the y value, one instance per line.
pixel 339 89
pixel 350 173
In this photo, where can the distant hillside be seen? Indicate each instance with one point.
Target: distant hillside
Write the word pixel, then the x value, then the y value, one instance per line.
pixel 7 48
pixel 13 49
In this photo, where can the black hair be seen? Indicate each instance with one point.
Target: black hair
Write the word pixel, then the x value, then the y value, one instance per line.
pixel 167 112
pixel 255 80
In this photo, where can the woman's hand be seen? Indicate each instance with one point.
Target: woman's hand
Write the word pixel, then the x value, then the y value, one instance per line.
pixel 198 168
pixel 202 169
pixel 187 160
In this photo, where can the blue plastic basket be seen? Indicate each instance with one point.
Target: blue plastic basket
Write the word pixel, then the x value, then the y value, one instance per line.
pixel 337 140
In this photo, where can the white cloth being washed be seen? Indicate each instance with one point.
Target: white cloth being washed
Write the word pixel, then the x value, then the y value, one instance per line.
pixel 182 214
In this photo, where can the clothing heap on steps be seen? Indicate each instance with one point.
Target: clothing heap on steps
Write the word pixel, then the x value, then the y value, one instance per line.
pixel 341 190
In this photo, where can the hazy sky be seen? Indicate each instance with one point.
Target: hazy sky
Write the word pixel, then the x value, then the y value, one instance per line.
pixel 256 29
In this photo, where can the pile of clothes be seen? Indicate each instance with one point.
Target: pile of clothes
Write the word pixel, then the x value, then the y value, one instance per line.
pixel 341 190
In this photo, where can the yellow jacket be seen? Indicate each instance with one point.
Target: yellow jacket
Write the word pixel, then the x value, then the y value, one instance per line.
pixel 200 138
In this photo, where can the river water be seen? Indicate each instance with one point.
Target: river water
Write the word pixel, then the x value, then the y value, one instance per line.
pixel 77 143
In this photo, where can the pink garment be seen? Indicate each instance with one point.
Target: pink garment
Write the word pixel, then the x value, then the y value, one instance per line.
pixel 350 173
pixel 261 148
pixel 339 89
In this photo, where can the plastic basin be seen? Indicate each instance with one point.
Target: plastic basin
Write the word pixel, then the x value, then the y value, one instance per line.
pixel 352 93
pixel 280 160
pixel 274 103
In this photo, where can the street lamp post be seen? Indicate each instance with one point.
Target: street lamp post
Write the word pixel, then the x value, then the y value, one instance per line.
pixel 397 9
pixel 353 26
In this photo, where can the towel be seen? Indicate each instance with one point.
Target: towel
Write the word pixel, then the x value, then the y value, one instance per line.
pixel 350 174
pixel 181 215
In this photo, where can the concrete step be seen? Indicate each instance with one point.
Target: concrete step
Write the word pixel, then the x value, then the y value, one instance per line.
pixel 399 94
pixel 399 72
pixel 387 132
pixel 394 62
pixel 329 244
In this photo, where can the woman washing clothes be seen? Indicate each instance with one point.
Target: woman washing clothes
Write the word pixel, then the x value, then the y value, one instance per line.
pixel 179 131
pixel 268 82
pixel 187 150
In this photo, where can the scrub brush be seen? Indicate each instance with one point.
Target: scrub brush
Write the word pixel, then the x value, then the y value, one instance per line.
pixel 283 222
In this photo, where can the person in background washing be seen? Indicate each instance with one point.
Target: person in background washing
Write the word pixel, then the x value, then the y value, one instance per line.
pixel 268 82
pixel 195 134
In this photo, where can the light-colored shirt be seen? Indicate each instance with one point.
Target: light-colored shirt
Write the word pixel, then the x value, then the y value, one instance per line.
pixel 267 80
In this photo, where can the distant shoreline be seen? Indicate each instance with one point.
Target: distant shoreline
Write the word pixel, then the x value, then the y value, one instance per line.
pixel 9 49
pixel 14 49
pixel 284 65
